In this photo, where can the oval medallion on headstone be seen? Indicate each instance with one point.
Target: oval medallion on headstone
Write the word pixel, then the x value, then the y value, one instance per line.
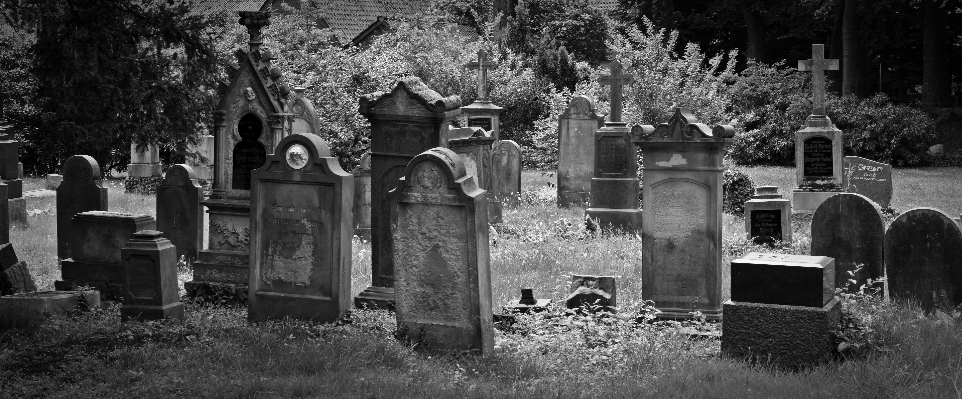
pixel 296 156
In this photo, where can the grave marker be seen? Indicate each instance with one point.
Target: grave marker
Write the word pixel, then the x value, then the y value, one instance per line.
pixel 144 172
pixel 506 174
pixel 150 278
pixel 869 178
pixel 576 151
pixel 923 258
pixel 179 214
pixel 79 192
pixel 473 145
pixel 849 228
pixel 818 147
pixel 768 216
pixel 304 114
pixel 482 112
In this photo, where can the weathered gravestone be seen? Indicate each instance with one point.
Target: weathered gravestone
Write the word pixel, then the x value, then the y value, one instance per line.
pixel 473 145
pixel 14 275
pixel 923 259
pixel 150 278
pixel 441 258
pixel 144 172
pixel 79 192
pixel 301 234
pixel 362 197
pixel 682 227
pixel 869 178
pixel 849 228
pixel 304 114
pixel 768 216
pixel 576 151
pixel 482 113
pixel 505 173
pixel 818 147
pixel 409 120
pixel 28 309
pixel 200 157
pixel 593 293
pixel 179 214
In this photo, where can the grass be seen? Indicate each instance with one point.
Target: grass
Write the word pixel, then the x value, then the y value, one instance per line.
pixel 215 352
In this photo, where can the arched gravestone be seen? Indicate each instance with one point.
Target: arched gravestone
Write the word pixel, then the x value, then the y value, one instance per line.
pixel 506 171
pixel 79 192
pixel 576 151
pixel 441 259
pixel 923 258
pixel 301 229
pixel 303 112
pixel 179 214
pixel 849 228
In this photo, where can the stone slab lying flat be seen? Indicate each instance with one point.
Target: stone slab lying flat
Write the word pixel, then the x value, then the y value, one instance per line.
pixel 24 310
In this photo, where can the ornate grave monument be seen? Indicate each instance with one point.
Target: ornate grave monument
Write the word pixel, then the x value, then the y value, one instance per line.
pixel 576 151
pixel 818 147
pixel 482 112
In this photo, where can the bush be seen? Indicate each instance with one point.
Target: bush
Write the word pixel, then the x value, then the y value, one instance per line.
pixel 874 128
pixel 737 189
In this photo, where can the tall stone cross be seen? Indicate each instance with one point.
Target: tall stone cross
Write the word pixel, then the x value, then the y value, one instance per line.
pixel 818 65
pixel 482 65
pixel 616 79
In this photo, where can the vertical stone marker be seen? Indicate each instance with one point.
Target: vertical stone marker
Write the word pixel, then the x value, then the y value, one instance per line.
pixel 768 216
pixel 150 278
pixel 301 229
pixel 179 214
pixel 473 144
pixel 576 151
pixel 409 120
pixel 614 187
pixel 923 258
pixel 818 147
pixel 200 158
pixel 869 178
pixel 144 172
pixel 506 173
pixel 79 192
pixel 682 229
pixel 441 259
pixel 482 112
pixel 849 228
pixel 362 197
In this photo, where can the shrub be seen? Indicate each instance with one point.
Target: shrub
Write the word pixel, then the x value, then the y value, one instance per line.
pixel 737 189
pixel 874 128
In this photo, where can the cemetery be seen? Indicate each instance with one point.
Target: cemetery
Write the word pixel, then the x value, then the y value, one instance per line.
pixel 417 208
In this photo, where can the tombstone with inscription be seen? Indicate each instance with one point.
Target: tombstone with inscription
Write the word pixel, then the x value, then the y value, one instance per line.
pixel 576 151
pixel 409 120
pixel 304 114
pixel 818 147
pixel 144 172
pixel 150 278
pixel 768 216
pixel 869 178
pixel 614 185
pixel 849 228
pixel 179 214
pixel 682 227
pixel 362 197
pixel 441 258
pixel 482 113
pixel 301 234
pixel 923 259
pixel 473 144
pixel 79 192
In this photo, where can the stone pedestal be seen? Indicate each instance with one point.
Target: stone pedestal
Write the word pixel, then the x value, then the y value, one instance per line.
pixel 144 172
pixel 362 198
pixel 818 163
pixel 768 216
pixel 780 279
pixel 614 187
pixel 223 268
pixel 150 278
pixel 576 151
pixel 483 114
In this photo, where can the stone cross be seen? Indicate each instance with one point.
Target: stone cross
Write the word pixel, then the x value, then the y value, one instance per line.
pixel 818 65
pixel 616 79
pixel 482 65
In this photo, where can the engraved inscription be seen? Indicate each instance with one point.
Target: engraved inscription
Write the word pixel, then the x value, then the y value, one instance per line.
pixel 484 123
pixel 680 245
pixel 291 244
pixel 142 277
pixel 817 157
pixel 766 225
pixel 680 209
pixel 612 157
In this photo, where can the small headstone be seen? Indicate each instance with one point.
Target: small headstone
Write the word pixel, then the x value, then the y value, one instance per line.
pixel 301 229
pixel 80 192
pixel 506 172
pixel 179 214
pixel 362 197
pixel 527 303
pixel 53 181
pixel 150 278
pixel 768 216
pixel 869 178
pixel 779 279
pixel 594 293
pixel 576 151
pixel 923 259
pixel 29 309
pixel 443 282
pixel 849 228
pixel 144 172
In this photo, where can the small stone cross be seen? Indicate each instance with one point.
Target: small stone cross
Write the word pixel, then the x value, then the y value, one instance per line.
pixel 482 65
pixel 616 79
pixel 818 65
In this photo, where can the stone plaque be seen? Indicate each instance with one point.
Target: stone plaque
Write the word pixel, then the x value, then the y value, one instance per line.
pixel 849 228
pixel 612 156
pixel 869 178
pixel 923 259
pixel 484 123
pixel 817 157
pixel 141 276
pixel 680 209
pixel 766 225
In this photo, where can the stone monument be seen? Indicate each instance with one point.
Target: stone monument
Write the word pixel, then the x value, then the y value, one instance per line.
pixel 180 217
pixel 14 275
pixel 144 172
pixel 79 192
pixel 849 228
pixel 923 259
pixel 869 178
pixel 482 112
pixel 818 147
pixel 505 173
pixel 304 114
pixel 473 144
pixel 200 157
pixel 362 197
pixel 576 151
pixel 150 278
pixel 768 216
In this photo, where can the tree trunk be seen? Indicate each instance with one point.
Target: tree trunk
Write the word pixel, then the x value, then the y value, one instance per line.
pixel 852 51
pixel 835 49
pixel 936 88
pixel 756 33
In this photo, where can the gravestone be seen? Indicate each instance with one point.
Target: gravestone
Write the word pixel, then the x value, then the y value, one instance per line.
pixel 409 120
pixel 362 197
pixel 150 278
pixel 200 157
pixel 576 151
pixel 304 114
pixel 869 178
pixel 301 234
pixel 441 258
pixel 614 183
pixel 505 173
pixel 482 113
pixel 682 227
pixel 818 147
pixel 79 192
pixel 780 279
pixel 849 228
pixel 923 259
pixel 11 173
pixel 596 293
pixel 53 181
pixel 768 216
pixel 14 275
pixel 144 172
pixel 179 214
pixel 473 145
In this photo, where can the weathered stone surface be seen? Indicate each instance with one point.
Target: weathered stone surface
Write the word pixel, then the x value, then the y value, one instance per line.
pixel 849 228
pixel 303 112
pixel 596 293
pixel 441 259
pixel 362 197
pixel 506 172
pixel 150 278
pixel 179 214
pixel 869 178
pixel 923 258
pixel 768 216
pixel 301 229
pixel 226 259
pixel 29 309
pixel 779 279
pixel 53 181
pixel 79 192
pixel 791 337
pixel 474 147
pixel 16 278
pixel 576 151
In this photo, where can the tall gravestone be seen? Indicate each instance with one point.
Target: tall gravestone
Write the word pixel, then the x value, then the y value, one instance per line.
pixel 818 147
pixel 473 145
pixel 442 270
pixel 849 228
pixel 505 172
pixel 301 234
pixel 869 178
pixel 362 197
pixel 179 214
pixel 144 172
pixel 614 185
pixel 482 113
pixel 576 151
pixel 923 259
pixel 682 227
pixel 79 192
pixel 409 120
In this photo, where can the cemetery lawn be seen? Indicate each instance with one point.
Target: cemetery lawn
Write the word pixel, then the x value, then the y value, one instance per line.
pixel 888 350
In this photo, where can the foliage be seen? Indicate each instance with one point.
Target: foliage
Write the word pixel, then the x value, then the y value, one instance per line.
pixel 875 128
pixel 473 13
pixel 737 189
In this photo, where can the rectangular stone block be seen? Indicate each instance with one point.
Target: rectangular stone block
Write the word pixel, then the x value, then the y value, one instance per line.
pixel 14 188
pixel 791 337
pixel 28 309
pixel 8 257
pixel 98 236
pixel 9 160
pixel 16 279
pixel 779 279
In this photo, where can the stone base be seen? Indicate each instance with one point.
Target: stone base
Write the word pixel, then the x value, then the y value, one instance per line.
pixel 375 298
pixel 146 312
pixel 18 211
pixel 808 201
pixel 142 185
pixel 15 279
pixel 790 337
pixel 266 305
pixel 626 220
pixel 219 293
pixel 27 310
pixel 107 291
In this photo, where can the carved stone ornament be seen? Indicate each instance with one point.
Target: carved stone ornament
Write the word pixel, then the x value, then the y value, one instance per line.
pixel 297 156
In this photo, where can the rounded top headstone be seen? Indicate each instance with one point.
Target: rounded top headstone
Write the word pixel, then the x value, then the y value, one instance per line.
pixel 580 106
pixel 434 169
pixel 81 168
pixel 179 175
